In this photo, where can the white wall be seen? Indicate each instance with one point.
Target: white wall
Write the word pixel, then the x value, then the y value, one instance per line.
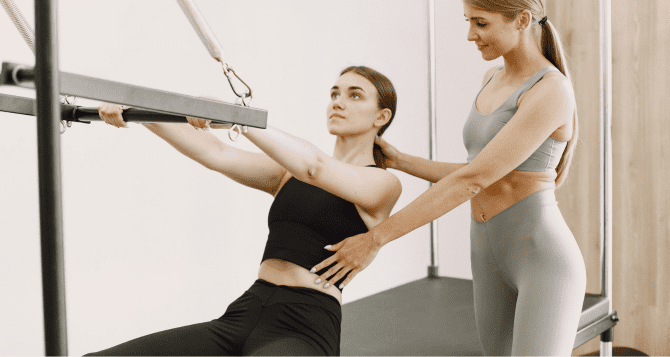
pixel 152 239
pixel 459 73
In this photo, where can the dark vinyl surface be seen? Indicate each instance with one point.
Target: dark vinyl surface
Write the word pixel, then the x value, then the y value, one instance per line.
pixel 427 317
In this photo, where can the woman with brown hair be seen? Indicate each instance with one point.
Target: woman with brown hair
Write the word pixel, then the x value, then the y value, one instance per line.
pixel 319 200
pixel 528 273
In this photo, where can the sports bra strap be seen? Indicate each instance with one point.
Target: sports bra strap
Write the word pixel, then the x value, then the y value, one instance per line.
pixel 530 82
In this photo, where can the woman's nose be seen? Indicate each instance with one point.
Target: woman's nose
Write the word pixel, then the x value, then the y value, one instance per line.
pixel 471 35
pixel 337 103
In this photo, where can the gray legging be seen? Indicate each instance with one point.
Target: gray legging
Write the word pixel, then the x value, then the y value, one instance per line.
pixel 529 279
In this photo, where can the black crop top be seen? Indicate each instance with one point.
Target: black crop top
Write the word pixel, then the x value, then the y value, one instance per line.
pixel 303 219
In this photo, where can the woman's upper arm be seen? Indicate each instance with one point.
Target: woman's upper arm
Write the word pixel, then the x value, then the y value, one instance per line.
pixel 545 107
pixel 255 170
pixel 370 188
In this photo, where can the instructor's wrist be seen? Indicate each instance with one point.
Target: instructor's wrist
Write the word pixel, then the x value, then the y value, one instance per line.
pixel 400 162
pixel 378 238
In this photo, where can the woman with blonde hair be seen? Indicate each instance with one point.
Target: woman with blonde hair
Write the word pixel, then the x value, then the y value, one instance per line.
pixel 528 273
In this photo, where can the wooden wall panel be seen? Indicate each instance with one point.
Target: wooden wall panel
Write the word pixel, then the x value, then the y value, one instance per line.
pixel 641 162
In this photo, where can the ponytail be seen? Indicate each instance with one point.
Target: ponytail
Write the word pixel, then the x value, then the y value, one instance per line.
pixel 552 49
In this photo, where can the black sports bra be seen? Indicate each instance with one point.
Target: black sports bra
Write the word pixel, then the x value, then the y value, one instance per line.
pixel 303 219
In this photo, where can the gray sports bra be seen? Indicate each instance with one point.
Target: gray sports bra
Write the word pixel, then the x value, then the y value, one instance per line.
pixel 480 129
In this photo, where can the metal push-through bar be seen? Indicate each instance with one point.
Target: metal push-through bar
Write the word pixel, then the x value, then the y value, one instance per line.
pixel 135 96
pixel 73 113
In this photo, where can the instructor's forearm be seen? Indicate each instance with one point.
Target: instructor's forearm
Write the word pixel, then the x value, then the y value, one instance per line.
pixel 441 198
pixel 429 170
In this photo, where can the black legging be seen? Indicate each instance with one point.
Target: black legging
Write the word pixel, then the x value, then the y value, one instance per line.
pixel 267 319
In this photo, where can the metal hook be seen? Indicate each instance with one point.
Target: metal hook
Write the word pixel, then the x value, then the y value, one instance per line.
pixel 246 97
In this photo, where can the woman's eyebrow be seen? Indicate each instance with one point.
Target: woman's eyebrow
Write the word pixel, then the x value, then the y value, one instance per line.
pixel 350 88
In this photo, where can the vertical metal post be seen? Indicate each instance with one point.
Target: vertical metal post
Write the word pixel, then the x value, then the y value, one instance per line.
pixel 434 263
pixel 47 87
pixel 606 160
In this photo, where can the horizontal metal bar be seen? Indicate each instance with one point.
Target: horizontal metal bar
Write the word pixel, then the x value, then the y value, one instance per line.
pixel 26 106
pixel 595 329
pixel 141 97
pixel 17 105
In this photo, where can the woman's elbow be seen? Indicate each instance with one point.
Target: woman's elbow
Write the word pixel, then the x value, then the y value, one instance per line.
pixel 310 170
pixel 472 182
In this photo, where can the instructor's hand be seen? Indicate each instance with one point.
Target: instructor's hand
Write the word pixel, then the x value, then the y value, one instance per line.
pixel 352 256
pixel 390 155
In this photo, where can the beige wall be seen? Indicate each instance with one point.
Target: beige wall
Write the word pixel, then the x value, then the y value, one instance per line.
pixel 640 130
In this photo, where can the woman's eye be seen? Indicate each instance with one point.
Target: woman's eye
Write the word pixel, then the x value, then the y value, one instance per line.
pixel 355 96
pixel 333 95
pixel 481 24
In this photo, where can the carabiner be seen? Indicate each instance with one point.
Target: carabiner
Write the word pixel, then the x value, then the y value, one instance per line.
pixel 243 96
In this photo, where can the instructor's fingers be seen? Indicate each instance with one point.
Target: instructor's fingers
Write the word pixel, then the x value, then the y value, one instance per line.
pixel 340 275
pixel 330 272
pixel 349 278
pixel 332 259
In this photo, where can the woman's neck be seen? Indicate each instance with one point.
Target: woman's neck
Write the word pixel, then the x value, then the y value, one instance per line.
pixel 524 60
pixel 354 150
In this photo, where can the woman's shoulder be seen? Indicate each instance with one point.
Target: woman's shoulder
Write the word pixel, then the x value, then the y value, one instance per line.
pixel 555 82
pixel 489 73
pixel 549 88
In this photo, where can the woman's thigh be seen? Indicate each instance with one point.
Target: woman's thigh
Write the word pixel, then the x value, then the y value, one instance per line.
pixel 494 298
pixel 534 248
pixel 223 336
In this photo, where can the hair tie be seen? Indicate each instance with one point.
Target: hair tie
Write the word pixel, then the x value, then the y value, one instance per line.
pixel 543 21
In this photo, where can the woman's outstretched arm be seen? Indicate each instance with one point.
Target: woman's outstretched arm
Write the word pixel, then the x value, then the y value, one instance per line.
pixel 429 170
pixel 255 170
pixel 373 190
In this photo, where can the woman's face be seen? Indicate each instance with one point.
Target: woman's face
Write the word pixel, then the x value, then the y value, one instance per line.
pixel 353 108
pixel 493 34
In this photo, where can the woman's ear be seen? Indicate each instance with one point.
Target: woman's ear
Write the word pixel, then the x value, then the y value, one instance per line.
pixel 383 117
pixel 525 19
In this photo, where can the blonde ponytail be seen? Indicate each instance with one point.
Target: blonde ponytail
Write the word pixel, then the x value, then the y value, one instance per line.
pixel 552 49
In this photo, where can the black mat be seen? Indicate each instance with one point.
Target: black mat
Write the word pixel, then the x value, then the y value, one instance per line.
pixel 434 317
pixel 427 317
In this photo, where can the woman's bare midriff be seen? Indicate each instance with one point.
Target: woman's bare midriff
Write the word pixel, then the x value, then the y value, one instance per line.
pixel 281 272
pixel 509 190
